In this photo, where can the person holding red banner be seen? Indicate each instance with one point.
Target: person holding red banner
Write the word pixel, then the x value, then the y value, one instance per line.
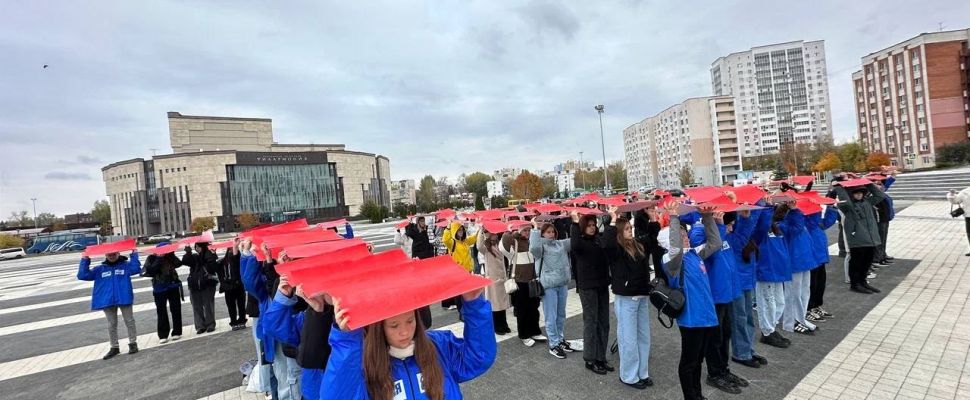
pixel 112 292
pixel 857 204
pixel 230 283
pixel 554 272
pixel 817 225
pixel 515 248
pixel 459 245
pixel 773 275
pixel 802 262
pixel 167 291
pixel 494 269
pixel 307 330
pixel 398 359
pixel 421 246
pixel 593 284
pixel 203 278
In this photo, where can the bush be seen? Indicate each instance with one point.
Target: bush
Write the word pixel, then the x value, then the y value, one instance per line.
pixel 247 220
pixel 202 224
pixel 953 154
pixel 7 241
pixel 373 212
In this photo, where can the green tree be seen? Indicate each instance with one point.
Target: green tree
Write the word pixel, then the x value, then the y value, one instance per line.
pixel 101 213
pixel 549 187
pixel 853 156
pixel 527 186
pixel 46 219
pixel 953 154
pixel 617 173
pixel 425 195
pixel 374 212
pixel 500 202
pixel 20 219
pixel 477 183
pixel 779 173
pixel 686 175
pixel 202 224
pixel 479 204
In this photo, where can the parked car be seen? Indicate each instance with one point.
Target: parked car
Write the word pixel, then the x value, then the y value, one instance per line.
pixel 12 253
pixel 159 238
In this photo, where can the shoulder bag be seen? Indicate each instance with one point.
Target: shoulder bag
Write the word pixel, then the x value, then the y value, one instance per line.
pixel 535 287
pixel 668 301
pixel 510 285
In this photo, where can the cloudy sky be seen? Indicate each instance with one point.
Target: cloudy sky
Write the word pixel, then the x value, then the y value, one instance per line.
pixel 439 87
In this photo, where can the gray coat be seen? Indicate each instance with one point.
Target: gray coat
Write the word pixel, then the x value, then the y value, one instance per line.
pixel 859 217
pixel 553 258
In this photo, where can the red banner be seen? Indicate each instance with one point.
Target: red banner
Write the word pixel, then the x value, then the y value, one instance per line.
pixel 315 280
pixel 108 248
pixel 315 249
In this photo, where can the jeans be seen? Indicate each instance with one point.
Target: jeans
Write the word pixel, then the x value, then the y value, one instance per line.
pixel 287 373
pixel 526 312
pixel 633 336
pixel 717 351
pixel 796 301
pixel 860 258
pixel 817 290
pixel 170 299
pixel 111 313
pixel 265 370
pixel 693 345
pixel 554 309
pixel 596 323
pixel 771 305
pixel 236 303
pixel 879 252
pixel 203 308
pixel 742 333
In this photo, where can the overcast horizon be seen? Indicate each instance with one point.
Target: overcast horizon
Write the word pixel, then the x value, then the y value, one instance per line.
pixel 440 88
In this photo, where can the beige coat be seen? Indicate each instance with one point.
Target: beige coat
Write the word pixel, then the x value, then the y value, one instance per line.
pixel 495 270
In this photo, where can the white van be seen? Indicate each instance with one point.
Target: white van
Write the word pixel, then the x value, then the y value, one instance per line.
pixel 12 253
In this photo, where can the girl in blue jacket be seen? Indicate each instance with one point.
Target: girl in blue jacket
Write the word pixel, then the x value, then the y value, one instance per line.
pixel 112 292
pixel 422 364
pixel 802 262
pixel 744 246
pixel 554 271
pixel 773 274
pixel 697 322
pixel 817 224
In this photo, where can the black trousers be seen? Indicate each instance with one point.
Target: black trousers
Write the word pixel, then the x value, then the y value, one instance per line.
pixel 859 260
pixel 596 323
pixel 968 228
pixel 879 253
pixel 169 299
pixel 816 290
pixel 236 303
pixel 694 343
pixel 841 240
pixel 717 351
pixel 500 324
pixel 526 311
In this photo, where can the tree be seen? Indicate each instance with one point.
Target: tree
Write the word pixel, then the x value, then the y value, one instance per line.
pixel 686 175
pixel 780 173
pixel 953 154
pixel 425 195
pixel 853 156
pixel 20 219
pixel 59 226
pixel 374 212
pixel 46 219
pixel 875 161
pixel 549 187
pixel 500 202
pixel 479 204
pixel 830 162
pixel 202 224
pixel 617 173
pixel 527 186
pixel 247 220
pixel 761 163
pixel 7 241
pixel 477 183
pixel 101 213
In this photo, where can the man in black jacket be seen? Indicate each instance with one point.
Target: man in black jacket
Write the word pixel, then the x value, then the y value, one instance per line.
pixel 203 278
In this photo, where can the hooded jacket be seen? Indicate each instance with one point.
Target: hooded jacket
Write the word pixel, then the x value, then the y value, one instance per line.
pixel 162 270
pixel 112 280
pixel 800 247
pixel 461 359
pixel 460 250
pixel 859 217
pixel 722 267
pixel 203 270
pixel 817 224
pixel 552 260
pixel 699 309
pixel 745 230
pixel 307 330
pixel 255 283
pixel 592 264
pixel 774 262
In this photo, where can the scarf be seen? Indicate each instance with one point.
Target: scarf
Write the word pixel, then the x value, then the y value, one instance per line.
pixel 401 354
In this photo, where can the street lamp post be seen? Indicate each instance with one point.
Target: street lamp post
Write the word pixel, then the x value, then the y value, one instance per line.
pixel 581 164
pixel 606 178
pixel 34 201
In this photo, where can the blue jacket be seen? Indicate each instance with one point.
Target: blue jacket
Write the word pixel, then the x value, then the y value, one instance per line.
pixel 285 326
pixel 774 262
pixel 553 257
pixel 799 243
pixel 721 269
pixel 737 239
pixel 889 200
pixel 817 225
pixel 112 282
pixel 349 232
pixel 461 359
pixel 255 283
pixel 699 310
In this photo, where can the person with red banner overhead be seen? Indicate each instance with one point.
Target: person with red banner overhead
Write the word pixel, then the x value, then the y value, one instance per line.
pixel 802 262
pixel 161 266
pixel 741 239
pixel 421 246
pixel 857 199
pixel 817 224
pixel 885 213
pixel 459 245
pixel 112 288
pixel 773 274
pixel 592 275
pixel 515 248
pixel 489 240
pixel 685 269
pixel 554 271
pixel 401 239
pixel 629 266
pixel 230 283
pixel 203 278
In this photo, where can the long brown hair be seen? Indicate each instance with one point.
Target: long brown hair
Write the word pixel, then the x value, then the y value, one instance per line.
pixel 491 241
pixel 377 363
pixel 632 247
pixel 584 222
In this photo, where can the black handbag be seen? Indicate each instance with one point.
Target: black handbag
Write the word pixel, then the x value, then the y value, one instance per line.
pixel 958 212
pixel 668 301
pixel 535 287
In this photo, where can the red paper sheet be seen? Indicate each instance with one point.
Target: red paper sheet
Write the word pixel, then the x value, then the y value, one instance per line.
pixel 584 210
pixel 413 285
pixel 548 208
pixel 445 214
pixel 205 237
pixel 169 248
pixel 107 248
pixel 317 279
pixel 516 214
pixel 855 182
pixel 802 180
pixel 314 249
pixel 221 245
pixel 808 207
pixel 334 224
pixel 336 256
pixel 817 198
pixel 491 214
pixel 276 229
pixel 549 218
pixel 748 194
pixel 748 207
pixel 703 194
pixel 631 207
pixel 517 224
pixel 876 177
pixel 494 226
pixel 723 204
pixel 612 201
pixel 402 224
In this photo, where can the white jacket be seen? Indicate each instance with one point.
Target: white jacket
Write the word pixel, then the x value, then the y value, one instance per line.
pixel 961 199
pixel 404 241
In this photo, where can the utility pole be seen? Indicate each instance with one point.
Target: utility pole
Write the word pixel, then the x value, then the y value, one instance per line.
pixel 34 200
pixel 581 165
pixel 606 178
pixel 153 151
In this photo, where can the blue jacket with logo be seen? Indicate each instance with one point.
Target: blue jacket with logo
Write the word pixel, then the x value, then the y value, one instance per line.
pixel 112 281
pixel 737 239
pixel 461 359
pixel 800 247
pixel 721 268
pixel 774 261
pixel 817 224
pixel 255 283
pixel 699 310
pixel 284 325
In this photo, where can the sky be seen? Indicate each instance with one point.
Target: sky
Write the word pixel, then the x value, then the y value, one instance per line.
pixel 439 87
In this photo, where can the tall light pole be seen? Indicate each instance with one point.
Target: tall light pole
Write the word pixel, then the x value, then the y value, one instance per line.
pixel 581 164
pixel 34 200
pixel 606 177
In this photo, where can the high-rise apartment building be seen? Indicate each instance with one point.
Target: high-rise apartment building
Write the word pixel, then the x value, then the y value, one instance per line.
pixel 698 135
pixel 912 97
pixel 781 94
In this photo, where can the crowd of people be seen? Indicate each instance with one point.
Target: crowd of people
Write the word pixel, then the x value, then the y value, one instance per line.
pixel 747 269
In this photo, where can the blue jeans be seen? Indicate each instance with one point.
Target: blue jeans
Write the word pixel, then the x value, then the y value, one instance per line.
pixel 554 310
pixel 742 333
pixel 633 336
pixel 287 373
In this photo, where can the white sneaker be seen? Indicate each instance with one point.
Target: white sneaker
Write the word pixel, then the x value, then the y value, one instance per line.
pixel 452 307
pixel 163 340
pixel 540 338
pixel 871 275
pixel 176 337
pixel 528 342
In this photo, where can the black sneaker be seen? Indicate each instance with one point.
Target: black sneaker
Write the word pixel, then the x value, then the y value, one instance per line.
pixel 596 368
pixel 640 385
pixel 736 380
pixel 774 341
pixel 566 347
pixel 557 352
pixel 761 360
pixel 782 338
pixel 606 366
pixel 870 288
pixel 132 348
pixel 210 330
pixel 721 383
pixel 889 258
pixel 647 382
pixel 199 331
pixel 860 289
pixel 752 363
pixel 111 353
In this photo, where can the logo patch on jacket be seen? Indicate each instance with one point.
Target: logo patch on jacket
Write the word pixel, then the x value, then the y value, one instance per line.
pixel 119 272
pixel 106 274
pixel 703 267
pixel 420 383
pixel 399 393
